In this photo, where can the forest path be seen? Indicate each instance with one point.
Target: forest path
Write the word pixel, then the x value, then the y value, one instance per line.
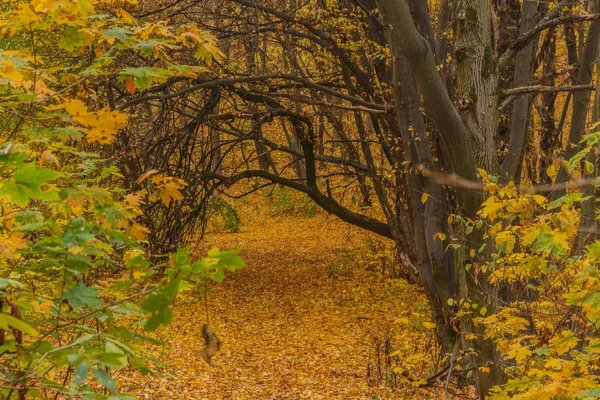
pixel 296 323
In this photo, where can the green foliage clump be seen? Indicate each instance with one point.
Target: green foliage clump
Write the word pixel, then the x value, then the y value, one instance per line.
pixel 287 202
pixel 228 213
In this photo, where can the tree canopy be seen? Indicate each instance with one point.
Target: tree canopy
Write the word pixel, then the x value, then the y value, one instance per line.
pixel 463 132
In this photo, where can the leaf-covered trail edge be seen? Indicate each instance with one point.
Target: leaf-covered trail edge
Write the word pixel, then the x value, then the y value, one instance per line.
pixel 297 323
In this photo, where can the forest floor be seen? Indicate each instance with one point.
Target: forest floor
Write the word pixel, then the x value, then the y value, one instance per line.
pixel 308 318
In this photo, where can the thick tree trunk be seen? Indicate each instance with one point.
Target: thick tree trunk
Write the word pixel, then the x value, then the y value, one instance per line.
pixel 476 79
pixel 468 148
pixel 436 266
pixel 436 270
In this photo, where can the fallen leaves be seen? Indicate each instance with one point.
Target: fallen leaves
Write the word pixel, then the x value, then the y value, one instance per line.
pixel 297 323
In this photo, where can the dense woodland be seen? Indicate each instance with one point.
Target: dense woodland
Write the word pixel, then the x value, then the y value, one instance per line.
pixel 461 133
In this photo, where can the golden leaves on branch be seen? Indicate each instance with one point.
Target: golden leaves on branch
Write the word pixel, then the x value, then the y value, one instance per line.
pixel 10 244
pixel 164 188
pixel 167 188
pixel 103 125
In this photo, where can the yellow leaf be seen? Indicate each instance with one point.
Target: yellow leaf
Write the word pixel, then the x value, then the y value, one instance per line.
pixel 138 274
pixel 27 15
pixel 133 200
pixel 440 235
pixel 551 171
pixel 137 231
pixel 490 208
pixel 424 197
pixel 428 325
pixel 104 124
pixel 168 188
pixel 519 352
pixel 563 343
pixel 125 16
pixel 9 245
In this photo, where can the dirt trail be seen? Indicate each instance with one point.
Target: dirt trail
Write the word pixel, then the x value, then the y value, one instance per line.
pixel 295 323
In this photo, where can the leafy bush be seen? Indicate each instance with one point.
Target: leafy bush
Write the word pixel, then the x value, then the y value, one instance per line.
pixel 550 343
pixel 67 227
pixel 284 201
pixel 227 213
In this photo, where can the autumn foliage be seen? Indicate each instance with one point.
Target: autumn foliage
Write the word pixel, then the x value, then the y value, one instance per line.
pixel 68 228
pixel 138 138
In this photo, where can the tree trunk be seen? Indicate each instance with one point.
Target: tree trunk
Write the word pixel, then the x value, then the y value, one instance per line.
pixel 469 145
pixel 581 99
pixel 477 79
pixel 521 107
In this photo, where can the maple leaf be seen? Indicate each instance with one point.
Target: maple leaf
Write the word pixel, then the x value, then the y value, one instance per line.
pixel 133 200
pixel 103 124
pixel 100 135
pixel 137 231
pixel 130 85
pixel 564 343
pixel 9 245
pixel 171 190
pixel 168 188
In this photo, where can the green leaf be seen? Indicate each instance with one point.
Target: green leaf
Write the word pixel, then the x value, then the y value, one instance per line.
pixel 158 318
pixel 144 77
pixel 117 32
pixel 590 394
pixel 147 47
pixel 72 38
pixel 105 379
pixel 81 373
pixel 82 339
pixel 27 184
pixel 157 304
pixel 231 260
pixel 8 320
pixel 4 283
pixel 83 296
pixel 116 360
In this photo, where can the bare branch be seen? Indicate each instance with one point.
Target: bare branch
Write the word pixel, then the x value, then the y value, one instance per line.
pixel 524 39
pixel 455 181
pixel 547 89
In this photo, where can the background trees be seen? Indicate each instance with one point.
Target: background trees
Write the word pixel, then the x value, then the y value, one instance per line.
pixel 383 112
pixel 390 94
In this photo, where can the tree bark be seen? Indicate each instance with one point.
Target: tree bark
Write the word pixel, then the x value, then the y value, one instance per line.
pixel 521 108
pixel 581 99
pixel 462 142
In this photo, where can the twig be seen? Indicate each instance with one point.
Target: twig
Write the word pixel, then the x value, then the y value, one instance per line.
pixel 456 181
pixel 451 365
pixel 525 38
pixel 547 89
